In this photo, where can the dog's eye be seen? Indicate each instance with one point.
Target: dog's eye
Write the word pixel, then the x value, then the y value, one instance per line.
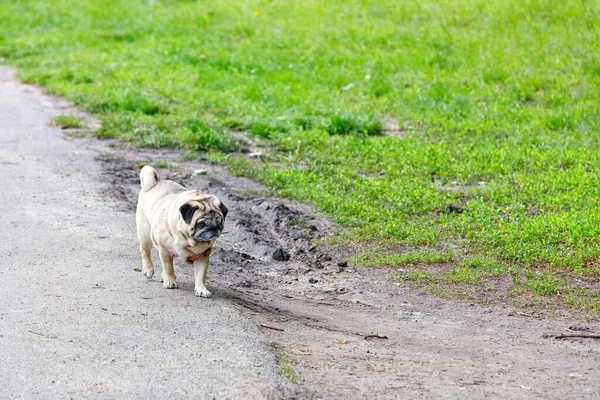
pixel 200 223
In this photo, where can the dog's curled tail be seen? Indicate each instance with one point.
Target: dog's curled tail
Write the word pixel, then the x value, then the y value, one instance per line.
pixel 148 178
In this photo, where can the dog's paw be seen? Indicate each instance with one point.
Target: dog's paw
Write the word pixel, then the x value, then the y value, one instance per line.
pixel 148 273
pixel 170 284
pixel 202 292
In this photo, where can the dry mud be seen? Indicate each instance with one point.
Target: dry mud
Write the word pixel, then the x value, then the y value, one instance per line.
pixel 351 332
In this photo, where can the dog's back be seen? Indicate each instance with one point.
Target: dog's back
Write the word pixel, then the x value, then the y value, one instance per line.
pixel 154 191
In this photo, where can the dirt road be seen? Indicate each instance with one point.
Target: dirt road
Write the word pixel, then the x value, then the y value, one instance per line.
pixel 76 317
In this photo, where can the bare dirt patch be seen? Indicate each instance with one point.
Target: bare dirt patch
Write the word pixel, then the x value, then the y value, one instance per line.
pixel 331 318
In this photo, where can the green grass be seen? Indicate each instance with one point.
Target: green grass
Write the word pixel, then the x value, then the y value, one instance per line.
pixel 390 116
pixel 161 164
pixel 68 122
pixel 375 257
pixel 285 364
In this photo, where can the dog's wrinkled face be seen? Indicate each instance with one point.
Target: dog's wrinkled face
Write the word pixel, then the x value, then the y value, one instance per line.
pixel 205 218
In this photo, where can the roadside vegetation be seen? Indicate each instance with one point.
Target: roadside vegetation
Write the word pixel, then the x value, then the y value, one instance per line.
pixel 68 122
pixel 461 135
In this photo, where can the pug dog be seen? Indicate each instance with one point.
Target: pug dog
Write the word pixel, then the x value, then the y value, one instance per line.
pixel 179 222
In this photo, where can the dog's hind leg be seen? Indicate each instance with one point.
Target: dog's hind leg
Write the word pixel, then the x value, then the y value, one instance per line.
pixel 143 229
pixel 169 279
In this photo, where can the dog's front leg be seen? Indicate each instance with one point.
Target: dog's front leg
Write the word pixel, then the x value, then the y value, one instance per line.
pixel 169 280
pixel 200 269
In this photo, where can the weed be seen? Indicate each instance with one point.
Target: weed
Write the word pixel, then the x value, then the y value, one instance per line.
pixel 285 364
pixel 161 164
pixel 438 290
pixel 68 122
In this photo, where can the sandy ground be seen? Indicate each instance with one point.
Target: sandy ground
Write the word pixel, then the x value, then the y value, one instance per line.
pixel 349 332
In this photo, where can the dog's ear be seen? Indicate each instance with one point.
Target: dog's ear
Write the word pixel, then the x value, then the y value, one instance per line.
pixel 224 210
pixel 187 212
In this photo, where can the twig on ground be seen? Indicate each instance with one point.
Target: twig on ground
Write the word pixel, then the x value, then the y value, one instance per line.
pixel 43 334
pixel 522 314
pixel 271 327
pixel 577 335
pixel 376 336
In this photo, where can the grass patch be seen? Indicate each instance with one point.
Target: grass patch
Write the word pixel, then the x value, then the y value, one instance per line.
pixel 285 364
pixel 497 103
pixel 162 164
pixel 438 290
pixel 378 258
pixel 473 277
pixel 68 122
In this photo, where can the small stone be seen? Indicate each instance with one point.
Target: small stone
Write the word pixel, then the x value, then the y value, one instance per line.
pixel 280 255
pixel 343 264
pixel 324 257
pixel 341 290
pixel 299 253
pixel 313 280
